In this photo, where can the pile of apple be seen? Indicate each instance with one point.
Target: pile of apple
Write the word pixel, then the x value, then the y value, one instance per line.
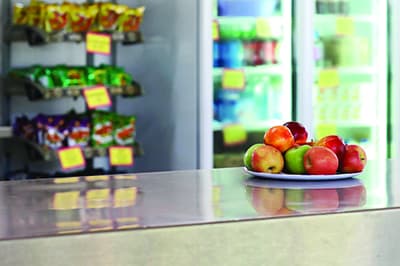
pixel 286 149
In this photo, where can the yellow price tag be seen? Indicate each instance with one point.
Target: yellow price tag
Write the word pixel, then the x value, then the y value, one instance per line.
pixel 98 198
pixel 66 200
pixel 96 97
pixel 234 134
pixel 71 158
pixel 328 78
pixel 215 30
pixel 98 43
pixel 124 197
pixel 345 26
pixel 120 156
pixel 263 29
pixel 233 79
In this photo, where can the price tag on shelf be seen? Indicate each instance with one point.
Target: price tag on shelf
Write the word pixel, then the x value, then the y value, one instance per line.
pixel 120 156
pixel 234 134
pixel 215 30
pixel 98 43
pixel 71 158
pixel 263 29
pixel 328 78
pixel 233 79
pixel 344 26
pixel 97 97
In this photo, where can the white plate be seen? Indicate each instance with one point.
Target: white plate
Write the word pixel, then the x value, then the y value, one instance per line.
pixel 284 176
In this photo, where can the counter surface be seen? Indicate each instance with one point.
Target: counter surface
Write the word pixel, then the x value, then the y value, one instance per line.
pixel 83 205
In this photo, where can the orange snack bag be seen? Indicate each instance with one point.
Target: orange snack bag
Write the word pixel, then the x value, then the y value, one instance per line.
pixel 56 17
pixel 81 18
pixel 131 19
pixel 109 14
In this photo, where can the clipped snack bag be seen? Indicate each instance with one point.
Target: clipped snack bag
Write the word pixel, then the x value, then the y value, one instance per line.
pixel 44 76
pixel 55 131
pixel 102 129
pixel 108 16
pixel 81 17
pixel 35 14
pixel 97 76
pixel 55 17
pixel 20 14
pixel 131 19
pixel 68 76
pixel 124 130
pixel 118 76
pixel 79 131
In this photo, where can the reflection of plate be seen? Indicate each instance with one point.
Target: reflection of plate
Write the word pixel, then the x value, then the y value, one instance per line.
pixel 290 184
pixel 301 177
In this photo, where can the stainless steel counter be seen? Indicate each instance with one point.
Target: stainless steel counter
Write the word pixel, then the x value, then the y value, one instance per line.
pixel 201 217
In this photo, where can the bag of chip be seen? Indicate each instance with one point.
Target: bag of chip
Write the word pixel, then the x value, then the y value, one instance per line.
pixel 124 130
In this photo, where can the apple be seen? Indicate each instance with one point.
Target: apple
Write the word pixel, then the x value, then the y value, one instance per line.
pixel 294 199
pixel 320 161
pixel 299 132
pixel 354 159
pixel 280 137
pixel 294 159
pixel 352 196
pixel 248 154
pixel 321 199
pixel 267 201
pixel 267 159
pixel 333 142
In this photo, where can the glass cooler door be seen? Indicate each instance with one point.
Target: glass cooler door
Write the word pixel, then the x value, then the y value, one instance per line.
pixel 252 73
pixel 350 85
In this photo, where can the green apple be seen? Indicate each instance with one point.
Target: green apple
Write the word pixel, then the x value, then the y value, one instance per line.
pixel 294 159
pixel 248 154
pixel 294 199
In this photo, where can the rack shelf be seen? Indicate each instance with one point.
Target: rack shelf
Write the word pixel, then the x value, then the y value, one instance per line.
pixel 36 36
pixel 24 86
pixel 40 153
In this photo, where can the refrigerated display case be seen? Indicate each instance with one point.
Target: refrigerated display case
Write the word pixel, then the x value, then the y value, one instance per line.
pixel 252 73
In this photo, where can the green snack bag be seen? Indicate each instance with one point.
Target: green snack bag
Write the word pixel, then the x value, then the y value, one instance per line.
pixel 97 76
pixel 70 76
pixel 102 129
pixel 118 76
pixel 124 130
pixel 44 77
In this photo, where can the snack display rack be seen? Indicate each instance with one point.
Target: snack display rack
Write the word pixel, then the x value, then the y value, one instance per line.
pixel 14 85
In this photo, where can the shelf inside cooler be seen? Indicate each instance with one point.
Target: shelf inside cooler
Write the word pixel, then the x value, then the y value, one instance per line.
pixel 256 126
pixel 34 91
pixel 254 70
pixel 36 36
pixel 5 132
pixel 357 18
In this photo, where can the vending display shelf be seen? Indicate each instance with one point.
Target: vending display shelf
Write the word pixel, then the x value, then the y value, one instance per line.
pixel 361 18
pixel 35 36
pixel 34 91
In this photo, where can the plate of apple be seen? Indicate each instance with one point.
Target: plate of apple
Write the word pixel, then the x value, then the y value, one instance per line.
pixel 286 153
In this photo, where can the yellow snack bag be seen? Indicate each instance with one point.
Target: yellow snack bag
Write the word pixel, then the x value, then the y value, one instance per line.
pixel 131 19
pixel 109 14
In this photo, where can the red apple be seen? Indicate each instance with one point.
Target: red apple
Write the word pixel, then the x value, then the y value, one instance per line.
pixel 320 161
pixel 354 159
pixel 333 142
pixel 352 196
pixel 267 201
pixel 267 159
pixel 321 199
pixel 280 137
pixel 299 132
